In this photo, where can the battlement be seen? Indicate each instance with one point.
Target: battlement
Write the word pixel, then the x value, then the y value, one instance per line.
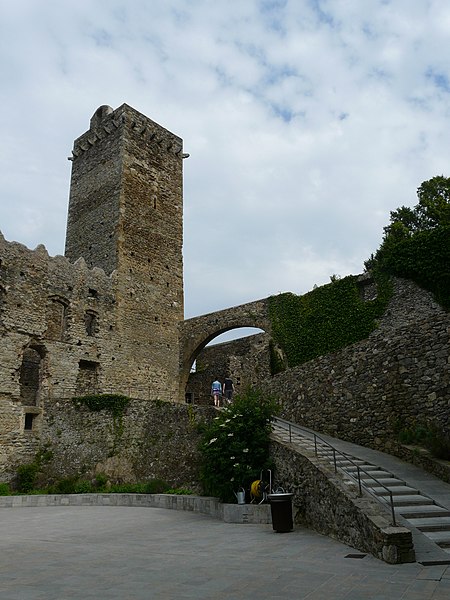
pixel 105 121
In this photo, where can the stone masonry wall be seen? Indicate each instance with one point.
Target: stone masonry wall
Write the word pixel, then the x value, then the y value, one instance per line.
pixel 325 502
pixel 396 378
pixel 153 440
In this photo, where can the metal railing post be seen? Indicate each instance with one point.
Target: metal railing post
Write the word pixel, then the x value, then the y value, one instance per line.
pixel 394 522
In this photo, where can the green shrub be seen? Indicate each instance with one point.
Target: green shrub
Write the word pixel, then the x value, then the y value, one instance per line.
pixel 82 486
pixel 26 477
pixel 179 491
pixel 438 444
pixel 235 445
pixel 101 482
pixel 429 437
pixel 156 486
pixel 64 486
pixel 4 489
pixel 416 243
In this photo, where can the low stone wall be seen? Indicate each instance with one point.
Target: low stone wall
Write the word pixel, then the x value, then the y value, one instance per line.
pixel 422 458
pixel 326 503
pixel 229 513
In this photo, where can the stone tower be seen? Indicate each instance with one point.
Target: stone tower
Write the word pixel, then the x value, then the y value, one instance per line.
pixel 126 217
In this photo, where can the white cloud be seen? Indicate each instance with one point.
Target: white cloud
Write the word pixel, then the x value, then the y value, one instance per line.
pixel 307 122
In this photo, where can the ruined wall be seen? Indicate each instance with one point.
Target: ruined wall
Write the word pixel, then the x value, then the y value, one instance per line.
pixel 151 440
pixel 246 361
pixel 57 325
pixel 105 318
pixel 396 378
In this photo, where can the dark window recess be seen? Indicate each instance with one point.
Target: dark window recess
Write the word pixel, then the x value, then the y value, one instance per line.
pixel 92 293
pixel 30 376
pixel 91 322
pixel 87 378
pixel 29 418
pixel 189 397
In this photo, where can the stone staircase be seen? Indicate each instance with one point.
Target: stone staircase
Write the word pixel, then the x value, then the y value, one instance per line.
pixel 412 507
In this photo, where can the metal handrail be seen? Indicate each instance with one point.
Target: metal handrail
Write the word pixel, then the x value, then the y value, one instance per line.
pixel 290 426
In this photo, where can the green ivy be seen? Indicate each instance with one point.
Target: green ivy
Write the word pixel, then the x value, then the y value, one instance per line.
pixel 114 403
pixel 326 319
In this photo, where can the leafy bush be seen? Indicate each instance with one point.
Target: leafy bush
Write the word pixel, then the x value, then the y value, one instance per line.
pixel 26 477
pixel 154 486
pixel 429 437
pixel 179 491
pixel 4 489
pixel 416 243
pixel 83 487
pixel 64 486
pixel 235 445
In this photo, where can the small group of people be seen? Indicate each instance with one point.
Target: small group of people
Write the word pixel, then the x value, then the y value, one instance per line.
pixel 226 390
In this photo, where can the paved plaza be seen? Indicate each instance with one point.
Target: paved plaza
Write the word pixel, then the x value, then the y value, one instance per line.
pixel 129 553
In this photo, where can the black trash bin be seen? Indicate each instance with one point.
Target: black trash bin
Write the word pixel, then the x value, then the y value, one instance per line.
pixel 281 509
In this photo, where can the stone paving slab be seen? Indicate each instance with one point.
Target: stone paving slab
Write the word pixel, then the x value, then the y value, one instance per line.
pixel 141 553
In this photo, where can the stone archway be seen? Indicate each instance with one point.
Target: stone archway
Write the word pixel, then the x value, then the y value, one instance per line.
pixel 197 332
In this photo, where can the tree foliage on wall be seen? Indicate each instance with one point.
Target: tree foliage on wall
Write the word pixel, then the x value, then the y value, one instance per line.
pixel 326 319
pixel 416 243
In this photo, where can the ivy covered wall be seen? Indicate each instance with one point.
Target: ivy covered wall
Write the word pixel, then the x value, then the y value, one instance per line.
pixel 328 318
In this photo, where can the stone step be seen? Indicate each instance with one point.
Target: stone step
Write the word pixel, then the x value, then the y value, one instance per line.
pixel 415 500
pixel 424 511
pixel 386 481
pixel 431 523
pixel 366 467
pixel 397 490
pixel 378 475
pixel 441 538
pixel 347 463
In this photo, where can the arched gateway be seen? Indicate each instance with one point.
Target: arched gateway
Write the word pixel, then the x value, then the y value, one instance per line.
pixel 197 332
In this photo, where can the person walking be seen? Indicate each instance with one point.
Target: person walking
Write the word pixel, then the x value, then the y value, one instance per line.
pixel 216 392
pixel 228 389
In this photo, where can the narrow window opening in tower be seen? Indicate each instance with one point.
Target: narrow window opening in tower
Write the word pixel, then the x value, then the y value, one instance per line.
pixel 30 376
pixel 154 203
pixel 29 418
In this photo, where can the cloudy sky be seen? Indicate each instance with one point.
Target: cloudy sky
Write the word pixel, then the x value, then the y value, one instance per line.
pixel 306 121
